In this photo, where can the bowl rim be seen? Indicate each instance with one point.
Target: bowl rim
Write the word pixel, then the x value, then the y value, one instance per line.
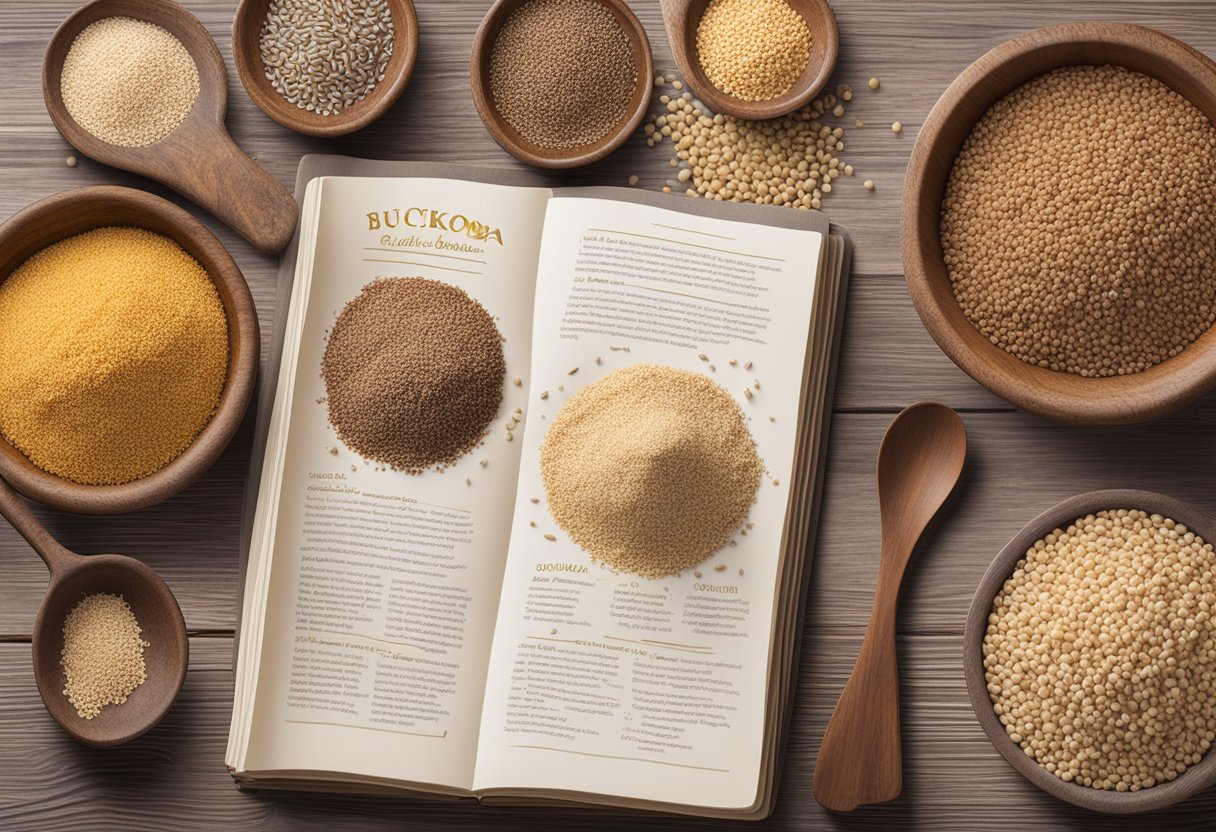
pixel 809 84
pixel 1196 778
pixel 1115 400
pixel 500 131
pixel 246 25
pixel 22 232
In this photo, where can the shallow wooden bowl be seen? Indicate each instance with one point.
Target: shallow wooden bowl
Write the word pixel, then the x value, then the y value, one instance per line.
pixel 682 17
pixel 246 54
pixel 543 157
pixel 76 211
pixel 1196 778
pixel 199 158
pixel 1064 396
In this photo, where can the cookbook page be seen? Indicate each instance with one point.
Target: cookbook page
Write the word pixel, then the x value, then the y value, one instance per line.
pixel 608 676
pixel 389 529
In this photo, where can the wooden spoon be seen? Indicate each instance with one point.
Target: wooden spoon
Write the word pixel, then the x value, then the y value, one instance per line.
pixel 682 17
pixel 919 462
pixel 198 159
pixel 72 578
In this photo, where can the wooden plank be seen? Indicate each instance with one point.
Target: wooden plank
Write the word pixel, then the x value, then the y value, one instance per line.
pixel 175 776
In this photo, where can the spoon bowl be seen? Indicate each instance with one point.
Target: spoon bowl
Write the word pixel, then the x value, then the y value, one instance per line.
pixel 198 159
pixel 919 463
pixel 683 17
pixel 74 577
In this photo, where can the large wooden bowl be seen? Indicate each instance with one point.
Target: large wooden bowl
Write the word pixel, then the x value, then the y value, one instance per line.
pixel 1057 395
pixel 1200 776
pixel 247 55
pixel 683 17
pixel 74 212
pixel 546 157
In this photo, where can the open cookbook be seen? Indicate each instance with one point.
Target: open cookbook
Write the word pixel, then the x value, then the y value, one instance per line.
pixel 439 632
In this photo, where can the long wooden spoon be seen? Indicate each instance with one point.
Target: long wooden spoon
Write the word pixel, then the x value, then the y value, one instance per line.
pixel 919 462
pixel 198 159
pixel 72 578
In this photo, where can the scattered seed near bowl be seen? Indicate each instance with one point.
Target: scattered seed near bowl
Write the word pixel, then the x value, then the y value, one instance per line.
pixel 324 56
pixel 650 469
pixel 897 127
pixel 1100 651
pixel 71 161
pixel 413 372
pixel 103 654
pixel 116 354
pixel 128 82
pixel 562 73
pixel 874 83
pixel 1078 220
pixel 753 49
pixel 869 185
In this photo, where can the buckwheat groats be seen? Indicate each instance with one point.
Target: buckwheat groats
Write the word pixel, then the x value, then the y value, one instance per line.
pixel 650 469
pixel 414 373
pixel 1078 222
pixel 1100 653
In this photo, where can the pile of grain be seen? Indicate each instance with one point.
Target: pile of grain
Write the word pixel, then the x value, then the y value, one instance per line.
pixel 562 73
pixel 1100 653
pixel 790 161
pixel 650 469
pixel 103 654
pixel 1078 222
pixel 414 373
pixel 325 55
pixel 753 49
pixel 115 346
pixel 128 82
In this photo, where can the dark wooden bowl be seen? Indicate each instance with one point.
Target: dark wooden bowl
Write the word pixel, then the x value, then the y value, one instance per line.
pixel 682 18
pixel 1057 395
pixel 198 159
pixel 1196 778
pixel 544 157
pixel 246 54
pixel 72 212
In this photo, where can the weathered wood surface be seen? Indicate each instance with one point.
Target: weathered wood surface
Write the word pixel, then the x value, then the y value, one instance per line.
pixel 1019 465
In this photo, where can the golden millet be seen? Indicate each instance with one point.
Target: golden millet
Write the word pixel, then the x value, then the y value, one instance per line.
pixel 1100 652
pixel 1078 222
pixel 752 49
pixel 116 353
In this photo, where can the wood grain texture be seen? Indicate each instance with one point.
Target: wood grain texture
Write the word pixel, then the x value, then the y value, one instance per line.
pixel 1018 464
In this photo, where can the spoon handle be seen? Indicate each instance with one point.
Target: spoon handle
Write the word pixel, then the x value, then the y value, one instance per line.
pixel 859 760
pixel 16 512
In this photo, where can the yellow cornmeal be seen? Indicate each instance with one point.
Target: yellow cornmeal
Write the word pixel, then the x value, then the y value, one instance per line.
pixel 113 355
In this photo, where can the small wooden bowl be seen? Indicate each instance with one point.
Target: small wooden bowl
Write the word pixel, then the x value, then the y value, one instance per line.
pixel 683 17
pixel 1196 778
pixel 1057 395
pixel 73 212
pixel 246 54
pixel 544 157
pixel 199 158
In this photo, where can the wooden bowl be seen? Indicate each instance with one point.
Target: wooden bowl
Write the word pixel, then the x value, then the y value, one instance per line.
pixel 246 54
pixel 1057 395
pixel 199 158
pixel 73 212
pixel 682 18
pixel 545 157
pixel 1197 777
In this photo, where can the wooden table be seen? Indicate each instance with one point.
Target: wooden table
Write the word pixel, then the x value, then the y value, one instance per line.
pixel 954 780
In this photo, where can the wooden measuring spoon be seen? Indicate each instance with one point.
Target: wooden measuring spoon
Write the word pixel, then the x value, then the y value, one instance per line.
pixel 919 462
pixel 72 578
pixel 682 17
pixel 198 159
